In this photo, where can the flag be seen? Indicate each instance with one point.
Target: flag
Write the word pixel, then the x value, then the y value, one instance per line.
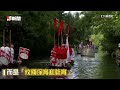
pixel 68 52
pixel 60 27
pixel 54 24
pixel 61 23
pixel 68 28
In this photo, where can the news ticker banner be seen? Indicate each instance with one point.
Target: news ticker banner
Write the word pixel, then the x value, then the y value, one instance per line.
pixel 35 72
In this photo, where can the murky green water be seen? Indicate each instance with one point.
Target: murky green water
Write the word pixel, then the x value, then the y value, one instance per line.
pixel 95 68
pixel 103 67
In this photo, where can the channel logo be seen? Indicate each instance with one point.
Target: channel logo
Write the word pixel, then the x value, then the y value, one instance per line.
pixel 13 18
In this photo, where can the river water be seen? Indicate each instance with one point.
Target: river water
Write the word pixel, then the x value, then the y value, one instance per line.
pixel 94 68
pixel 84 67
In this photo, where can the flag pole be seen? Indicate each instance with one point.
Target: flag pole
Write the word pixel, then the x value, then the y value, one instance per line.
pixel 10 37
pixel 67 44
pixel 54 37
pixel 3 36
pixel 58 40
pixel 61 32
pixel 61 38
pixel 10 41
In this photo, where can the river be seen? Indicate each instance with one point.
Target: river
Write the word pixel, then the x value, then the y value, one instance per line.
pixel 98 67
pixel 94 68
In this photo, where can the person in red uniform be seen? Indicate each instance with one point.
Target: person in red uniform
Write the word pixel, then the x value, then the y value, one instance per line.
pixel 53 56
pixel 58 56
pixel 61 54
pixel 64 57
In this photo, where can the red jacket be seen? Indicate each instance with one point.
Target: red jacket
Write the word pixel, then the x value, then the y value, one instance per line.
pixel 53 53
pixel 64 53
pixel 53 56
pixel 59 53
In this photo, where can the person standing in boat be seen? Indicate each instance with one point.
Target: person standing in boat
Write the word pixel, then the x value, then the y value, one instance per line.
pixel 53 56
pixel 80 47
pixel 3 47
pixel 64 55
pixel 73 55
pixel 7 49
pixel 59 54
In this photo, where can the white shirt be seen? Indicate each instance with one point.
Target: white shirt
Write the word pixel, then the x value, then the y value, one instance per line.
pixel 12 51
pixel 2 48
pixel 7 50
pixel 73 54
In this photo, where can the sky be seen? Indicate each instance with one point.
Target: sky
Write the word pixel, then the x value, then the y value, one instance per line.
pixel 72 11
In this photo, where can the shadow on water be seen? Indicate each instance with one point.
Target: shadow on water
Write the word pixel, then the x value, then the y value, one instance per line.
pixel 108 68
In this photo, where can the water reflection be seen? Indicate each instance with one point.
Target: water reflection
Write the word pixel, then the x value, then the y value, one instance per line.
pixel 94 68
pixel 109 68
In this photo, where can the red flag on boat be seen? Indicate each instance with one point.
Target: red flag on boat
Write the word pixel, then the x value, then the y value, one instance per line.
pixel 60 27
pixel 54 24
pixel 59 30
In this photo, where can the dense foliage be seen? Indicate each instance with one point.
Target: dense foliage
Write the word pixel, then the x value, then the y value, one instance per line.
pixel 36 32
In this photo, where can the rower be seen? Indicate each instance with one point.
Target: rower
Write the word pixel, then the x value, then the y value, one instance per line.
pixel 7 49
pixel 58 64
pixel 3 47
pixel 64 55
pixel 53 56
